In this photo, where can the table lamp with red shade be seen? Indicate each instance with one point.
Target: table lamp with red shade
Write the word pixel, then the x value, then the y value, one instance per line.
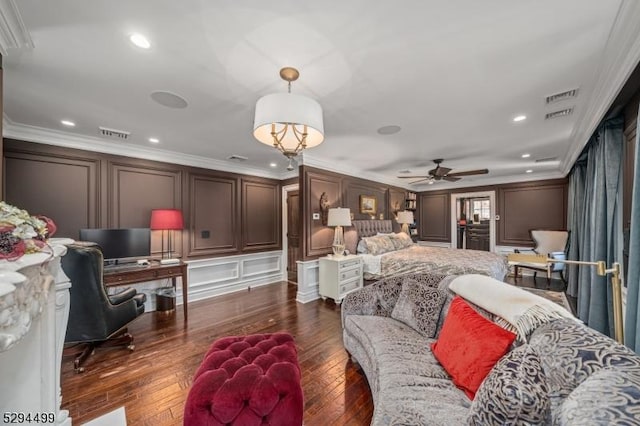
pixel 167 220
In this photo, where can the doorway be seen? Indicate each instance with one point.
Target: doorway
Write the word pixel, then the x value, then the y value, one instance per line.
pixel 473 221
pixel 291 231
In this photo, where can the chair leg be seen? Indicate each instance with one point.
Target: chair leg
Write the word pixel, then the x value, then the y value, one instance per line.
pixel 82 351
pixel 515 274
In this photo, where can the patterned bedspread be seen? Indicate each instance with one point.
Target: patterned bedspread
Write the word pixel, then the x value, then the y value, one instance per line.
pixel 435 259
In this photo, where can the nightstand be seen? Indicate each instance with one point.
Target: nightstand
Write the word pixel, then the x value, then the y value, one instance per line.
pixel 340 276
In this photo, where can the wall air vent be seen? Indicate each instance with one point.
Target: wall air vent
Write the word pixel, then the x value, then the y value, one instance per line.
pixel 556 114
pixel 546 160
pixel 114 134
pixel 236 157
pixel 557 97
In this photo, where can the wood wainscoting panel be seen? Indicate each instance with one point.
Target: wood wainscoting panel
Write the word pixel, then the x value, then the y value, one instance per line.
pixel 318 238
pixel 135 190
pixel 524 208
pixel 434 217
pixel 214 215
pixel 63 188
pixel 261 218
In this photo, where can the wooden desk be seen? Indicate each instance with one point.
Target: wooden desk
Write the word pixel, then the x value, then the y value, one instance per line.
pixel 155 271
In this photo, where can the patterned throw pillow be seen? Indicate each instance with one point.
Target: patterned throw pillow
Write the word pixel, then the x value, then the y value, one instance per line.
pixel 419 307
pixel 378 244
pixel 514 392
pixel 405 239
pixel 397 241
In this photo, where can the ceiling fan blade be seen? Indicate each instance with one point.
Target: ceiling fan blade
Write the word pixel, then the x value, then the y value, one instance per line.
pixel 413 177
pixel 420 180
pixel 470 172
pixel 450 178
pixel 439 171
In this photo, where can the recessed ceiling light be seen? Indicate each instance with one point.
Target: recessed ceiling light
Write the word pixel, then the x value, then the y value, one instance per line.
pixel 154 140
pixel 519 118
pixel 529 171
pixel 273 164
pixel 526 155
pixel 68 123
pixel 140 41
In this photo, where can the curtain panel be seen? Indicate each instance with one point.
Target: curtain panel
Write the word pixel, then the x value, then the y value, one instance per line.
pixel 632 317
pixel 594 219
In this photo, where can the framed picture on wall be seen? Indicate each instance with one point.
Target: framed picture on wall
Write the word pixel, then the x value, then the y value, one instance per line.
pixel 368 204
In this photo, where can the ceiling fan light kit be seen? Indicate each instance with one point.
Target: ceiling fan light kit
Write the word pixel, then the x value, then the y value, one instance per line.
pixel 290 123
pixel 443 173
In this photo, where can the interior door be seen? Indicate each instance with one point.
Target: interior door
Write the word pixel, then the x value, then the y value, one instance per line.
pixel 293 234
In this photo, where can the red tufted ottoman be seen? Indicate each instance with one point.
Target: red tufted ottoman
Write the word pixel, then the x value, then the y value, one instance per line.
pixel 247 380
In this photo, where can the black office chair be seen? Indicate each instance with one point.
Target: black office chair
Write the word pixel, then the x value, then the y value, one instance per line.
pixel 95 318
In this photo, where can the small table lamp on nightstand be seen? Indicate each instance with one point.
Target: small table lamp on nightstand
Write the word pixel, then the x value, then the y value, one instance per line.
pixel 339 217
pixel 405 218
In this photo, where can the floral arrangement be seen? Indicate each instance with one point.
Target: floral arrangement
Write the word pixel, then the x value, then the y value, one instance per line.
pixel 21 233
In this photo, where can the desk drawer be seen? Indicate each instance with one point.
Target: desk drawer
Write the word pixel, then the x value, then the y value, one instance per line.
pixel 349 274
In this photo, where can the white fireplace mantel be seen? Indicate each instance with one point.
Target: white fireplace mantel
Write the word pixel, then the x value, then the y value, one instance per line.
pixel 34 310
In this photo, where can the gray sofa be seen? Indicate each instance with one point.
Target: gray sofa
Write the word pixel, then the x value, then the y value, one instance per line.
pixel 573 375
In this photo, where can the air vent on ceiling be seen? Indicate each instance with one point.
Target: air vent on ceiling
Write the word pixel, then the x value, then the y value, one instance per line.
pixel 546 160
pixel 556 114
pixel 113 133
pixel 237 157
pixel 557 97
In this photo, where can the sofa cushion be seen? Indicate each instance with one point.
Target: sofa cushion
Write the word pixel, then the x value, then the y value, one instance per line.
pixel 419 307
pixel 469 346
pixel 514 392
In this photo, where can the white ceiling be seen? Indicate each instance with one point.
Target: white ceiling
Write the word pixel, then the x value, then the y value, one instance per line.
pixel 451 74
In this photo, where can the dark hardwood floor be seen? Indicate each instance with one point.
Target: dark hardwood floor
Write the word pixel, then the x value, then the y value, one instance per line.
pixel 153 381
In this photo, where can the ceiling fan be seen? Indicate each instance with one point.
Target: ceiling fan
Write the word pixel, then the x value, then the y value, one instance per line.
pixel 443 173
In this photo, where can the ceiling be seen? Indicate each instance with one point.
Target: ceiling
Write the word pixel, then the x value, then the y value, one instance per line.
pixel 451 74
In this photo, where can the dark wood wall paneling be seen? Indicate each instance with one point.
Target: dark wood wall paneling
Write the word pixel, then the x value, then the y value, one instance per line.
pixel 521 207
pixel 1 115
pixel 435 221
pixel 342 191
pixel 82 189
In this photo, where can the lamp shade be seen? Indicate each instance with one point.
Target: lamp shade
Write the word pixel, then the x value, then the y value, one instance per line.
pixel 166 219
pixel 283 109
pixel 339 217
pixel 405 216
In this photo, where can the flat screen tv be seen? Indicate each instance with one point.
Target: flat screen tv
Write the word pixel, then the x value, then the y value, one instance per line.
pixel 118 244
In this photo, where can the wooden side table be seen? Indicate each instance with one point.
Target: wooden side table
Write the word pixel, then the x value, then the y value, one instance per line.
pixel 138 274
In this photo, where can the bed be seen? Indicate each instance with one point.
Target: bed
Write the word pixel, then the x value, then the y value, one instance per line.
pixel 414 258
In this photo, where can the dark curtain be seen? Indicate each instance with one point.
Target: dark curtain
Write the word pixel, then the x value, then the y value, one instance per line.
pixel 632 319
pixel 595 223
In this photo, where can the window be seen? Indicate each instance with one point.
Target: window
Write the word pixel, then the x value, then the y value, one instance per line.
pixel 482 208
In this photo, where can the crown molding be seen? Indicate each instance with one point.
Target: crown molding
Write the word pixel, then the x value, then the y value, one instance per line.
pixel 499 180
pixel 620 57
pixel 94 144
pixel 13 31
pixel 313 161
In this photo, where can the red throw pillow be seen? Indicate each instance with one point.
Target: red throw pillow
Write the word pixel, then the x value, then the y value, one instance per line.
pixel 469 346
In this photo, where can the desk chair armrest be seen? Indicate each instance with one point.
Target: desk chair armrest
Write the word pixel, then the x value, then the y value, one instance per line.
pixel 122 296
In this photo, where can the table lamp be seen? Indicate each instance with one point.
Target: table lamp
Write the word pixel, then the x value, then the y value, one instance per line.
pixel 167 220
pixel 405 218
pixel 339 217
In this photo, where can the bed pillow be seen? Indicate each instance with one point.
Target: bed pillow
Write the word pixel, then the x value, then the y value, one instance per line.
pixel 515 392
pixel 469 345
pixel 379 244
pixel 398 242
pixel 362 247
pixel 419 307
pixel 405 239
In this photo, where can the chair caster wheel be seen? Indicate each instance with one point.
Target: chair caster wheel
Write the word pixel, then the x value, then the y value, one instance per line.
pixel 131 347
